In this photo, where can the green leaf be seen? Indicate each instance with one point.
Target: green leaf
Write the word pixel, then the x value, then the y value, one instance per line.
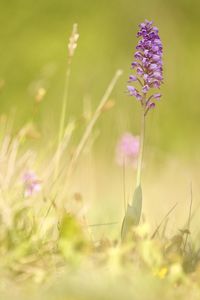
pixel 72 242
pixel 133 213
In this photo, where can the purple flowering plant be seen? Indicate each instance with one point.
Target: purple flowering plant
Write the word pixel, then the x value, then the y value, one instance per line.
pixel 148 66
pixel 147 77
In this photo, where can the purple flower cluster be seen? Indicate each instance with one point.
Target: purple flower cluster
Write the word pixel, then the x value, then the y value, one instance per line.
pixel 148 65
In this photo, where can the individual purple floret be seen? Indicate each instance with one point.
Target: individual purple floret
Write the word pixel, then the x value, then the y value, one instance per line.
pixel 32 185
pixel 127 149
pixel 147 65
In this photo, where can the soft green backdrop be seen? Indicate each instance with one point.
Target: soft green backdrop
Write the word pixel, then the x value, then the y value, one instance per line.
pixel 34 36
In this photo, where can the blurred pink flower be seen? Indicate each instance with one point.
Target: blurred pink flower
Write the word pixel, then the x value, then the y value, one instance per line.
pixel 32 185
pixel 127 149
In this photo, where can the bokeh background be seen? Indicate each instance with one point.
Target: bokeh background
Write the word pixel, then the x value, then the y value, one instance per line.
pixel 33 53
pixel 34 36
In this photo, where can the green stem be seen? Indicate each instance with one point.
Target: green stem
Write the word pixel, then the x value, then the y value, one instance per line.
pixel 141 150
pixel 63 117
pixel 64 105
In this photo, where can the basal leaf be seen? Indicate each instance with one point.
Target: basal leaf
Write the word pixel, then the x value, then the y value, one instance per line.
pixel 133 213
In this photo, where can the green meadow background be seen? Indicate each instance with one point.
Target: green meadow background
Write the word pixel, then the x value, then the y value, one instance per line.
pixel 34 36
pixel 33 52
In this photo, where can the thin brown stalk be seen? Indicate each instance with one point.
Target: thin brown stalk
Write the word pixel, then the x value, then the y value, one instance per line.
pixel 189 217
pixel 161 222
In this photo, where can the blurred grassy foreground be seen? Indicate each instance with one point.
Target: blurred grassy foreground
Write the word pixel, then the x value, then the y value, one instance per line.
pixel 63 242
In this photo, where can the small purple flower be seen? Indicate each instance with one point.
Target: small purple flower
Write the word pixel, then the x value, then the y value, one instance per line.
pixel 132 78
pixel 127 149
pixel 32 185
pixel 148 65
pixel 156 96
pixel 145 89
